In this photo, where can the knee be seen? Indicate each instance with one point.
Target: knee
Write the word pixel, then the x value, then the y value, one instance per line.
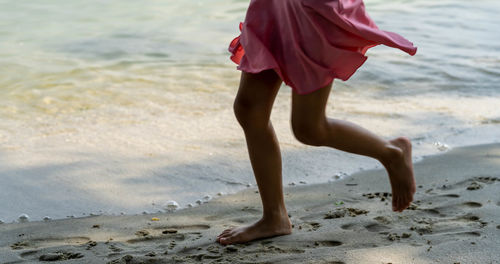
pixel 247 113
pixel 309 133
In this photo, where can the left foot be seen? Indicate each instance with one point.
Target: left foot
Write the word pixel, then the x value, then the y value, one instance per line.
pixel 260 229
pixel 400 169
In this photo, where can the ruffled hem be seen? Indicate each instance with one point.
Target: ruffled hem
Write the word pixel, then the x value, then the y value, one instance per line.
pixel 236 49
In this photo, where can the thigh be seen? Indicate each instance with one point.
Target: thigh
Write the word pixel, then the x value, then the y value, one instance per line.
pixel 309 109
pixel 258 90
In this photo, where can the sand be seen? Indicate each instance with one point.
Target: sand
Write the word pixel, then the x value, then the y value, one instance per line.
pixel 454 220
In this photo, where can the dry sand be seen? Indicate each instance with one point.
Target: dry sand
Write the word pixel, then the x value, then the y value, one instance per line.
pixel 455 219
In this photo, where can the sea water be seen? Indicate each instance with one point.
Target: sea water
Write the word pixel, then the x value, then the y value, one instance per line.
pixel 120 106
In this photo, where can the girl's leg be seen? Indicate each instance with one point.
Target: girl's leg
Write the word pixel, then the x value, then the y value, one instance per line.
pixel 252 108
pixel 311 126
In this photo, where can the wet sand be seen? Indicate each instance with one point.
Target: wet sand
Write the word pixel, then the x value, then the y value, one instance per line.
pixel 454 219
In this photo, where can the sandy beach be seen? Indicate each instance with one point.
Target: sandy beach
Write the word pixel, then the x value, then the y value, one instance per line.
pixel 454 220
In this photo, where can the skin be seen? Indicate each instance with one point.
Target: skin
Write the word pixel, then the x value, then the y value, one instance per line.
pixel 311 126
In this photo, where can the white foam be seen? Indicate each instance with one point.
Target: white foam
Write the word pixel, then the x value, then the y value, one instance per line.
pixel 23 218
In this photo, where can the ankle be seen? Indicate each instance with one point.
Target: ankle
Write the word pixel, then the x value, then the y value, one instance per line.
pixel 275 216
pixel 391 154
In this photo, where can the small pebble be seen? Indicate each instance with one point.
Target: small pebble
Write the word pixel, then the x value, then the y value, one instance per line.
pixel 199 201
pixel 249 185
pixel 170 231
pixel 220 193
pixel 292 183
pixel 190 205
pixel 91 244
pixel 46 218
pixel 96 226
pixel 207 197
pixel 231 248
pixel 302 182
pixel 474 186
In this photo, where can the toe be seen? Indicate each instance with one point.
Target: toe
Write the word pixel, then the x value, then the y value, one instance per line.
pixel 225 232
pixel 405 204
pixel 224 236
pixel 400 205
pixel 233 238
pixel 395 203
pixel 225 240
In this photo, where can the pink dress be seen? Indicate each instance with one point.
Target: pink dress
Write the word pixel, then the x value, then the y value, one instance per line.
pixel 309 42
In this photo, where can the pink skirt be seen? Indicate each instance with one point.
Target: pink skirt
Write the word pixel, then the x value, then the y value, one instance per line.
pixel 309 42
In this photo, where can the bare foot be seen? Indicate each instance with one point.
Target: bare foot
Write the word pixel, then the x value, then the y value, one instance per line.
pixel 400 169
pixel 260 229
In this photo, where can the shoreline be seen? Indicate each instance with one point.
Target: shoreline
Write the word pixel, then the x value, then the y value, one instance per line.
pixel 156 208
pixel 453 219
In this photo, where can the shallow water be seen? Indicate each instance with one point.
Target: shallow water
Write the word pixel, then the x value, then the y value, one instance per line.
pixel 119 106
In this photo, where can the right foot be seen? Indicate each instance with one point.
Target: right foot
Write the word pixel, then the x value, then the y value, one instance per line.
pixel 260 229
pixel 400 169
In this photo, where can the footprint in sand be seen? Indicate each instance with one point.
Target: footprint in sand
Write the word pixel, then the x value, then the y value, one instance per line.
pixel 371 227
pixel 342 212
pixel 488 179
pixel 453 209
pixel 459 226
pixel 473 184
pixel 58 256
pixel 48 242
pixel 170 232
